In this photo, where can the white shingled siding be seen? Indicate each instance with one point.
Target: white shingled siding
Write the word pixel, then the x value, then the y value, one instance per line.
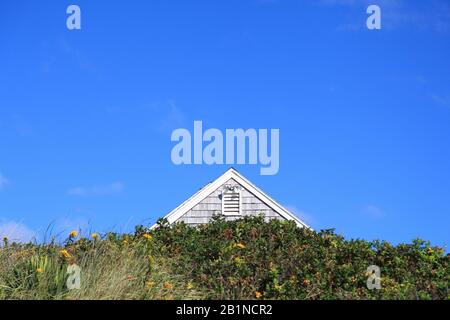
pixel 211 205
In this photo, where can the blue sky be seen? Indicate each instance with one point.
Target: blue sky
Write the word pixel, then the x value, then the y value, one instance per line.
pixel 364 116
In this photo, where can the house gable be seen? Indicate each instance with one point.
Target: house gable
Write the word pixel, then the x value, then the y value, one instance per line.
pixel 207 202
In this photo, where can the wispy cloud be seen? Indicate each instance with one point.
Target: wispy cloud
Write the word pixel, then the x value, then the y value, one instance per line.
pixel 441 100
pixel 16 231
pixel 112 188
pixel 373 212
pixel 3 181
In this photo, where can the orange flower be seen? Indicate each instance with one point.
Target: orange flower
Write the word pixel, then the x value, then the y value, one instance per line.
pixel 306 282
pixel 168 286
pixel 258 295
pixel 39 270
pixel 240 245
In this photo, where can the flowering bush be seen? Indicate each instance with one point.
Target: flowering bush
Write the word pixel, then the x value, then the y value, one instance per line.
pixel 248 259
pixel 243 259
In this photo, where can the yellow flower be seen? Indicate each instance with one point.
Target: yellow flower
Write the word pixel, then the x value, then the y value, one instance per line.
pixel 168 286
pixel 125 242
pixel 148 236
pixel 239 260
pixel 39 270
pixel 430 251
pixel 94 236
pixel 258 295
pixel 73 234
pixel 65 253
pixel 190 286
pixel 150 284
pixel 240 245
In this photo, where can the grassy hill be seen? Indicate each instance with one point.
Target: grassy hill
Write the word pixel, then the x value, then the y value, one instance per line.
pixel 244 259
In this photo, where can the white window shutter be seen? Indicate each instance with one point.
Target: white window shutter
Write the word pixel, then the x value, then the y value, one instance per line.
pixel 231 202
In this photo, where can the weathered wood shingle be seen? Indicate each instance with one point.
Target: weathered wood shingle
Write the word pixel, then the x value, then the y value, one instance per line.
pixel 202 206
pixel 212 205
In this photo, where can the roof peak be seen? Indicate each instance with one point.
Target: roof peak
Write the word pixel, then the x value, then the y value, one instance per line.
pixel 212 186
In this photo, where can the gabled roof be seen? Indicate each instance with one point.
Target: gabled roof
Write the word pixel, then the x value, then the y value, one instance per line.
pixel 182 209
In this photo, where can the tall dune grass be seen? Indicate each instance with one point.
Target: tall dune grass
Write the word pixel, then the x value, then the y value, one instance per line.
pixel 115 268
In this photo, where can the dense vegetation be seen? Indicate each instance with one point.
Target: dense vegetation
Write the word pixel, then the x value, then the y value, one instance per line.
pixel 243 259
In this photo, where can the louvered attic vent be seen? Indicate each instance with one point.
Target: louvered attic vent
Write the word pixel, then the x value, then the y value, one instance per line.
pixel 231 202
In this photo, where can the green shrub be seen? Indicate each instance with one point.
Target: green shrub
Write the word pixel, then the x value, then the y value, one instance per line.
pixel 243 259
pixel 249 258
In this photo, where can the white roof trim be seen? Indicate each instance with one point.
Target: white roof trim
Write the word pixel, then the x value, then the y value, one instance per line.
pixel 178 212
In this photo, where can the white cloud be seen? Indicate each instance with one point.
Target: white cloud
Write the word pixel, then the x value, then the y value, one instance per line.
pixel 115 187
pixel 373 212
pixel 16 232
pixel 3 181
